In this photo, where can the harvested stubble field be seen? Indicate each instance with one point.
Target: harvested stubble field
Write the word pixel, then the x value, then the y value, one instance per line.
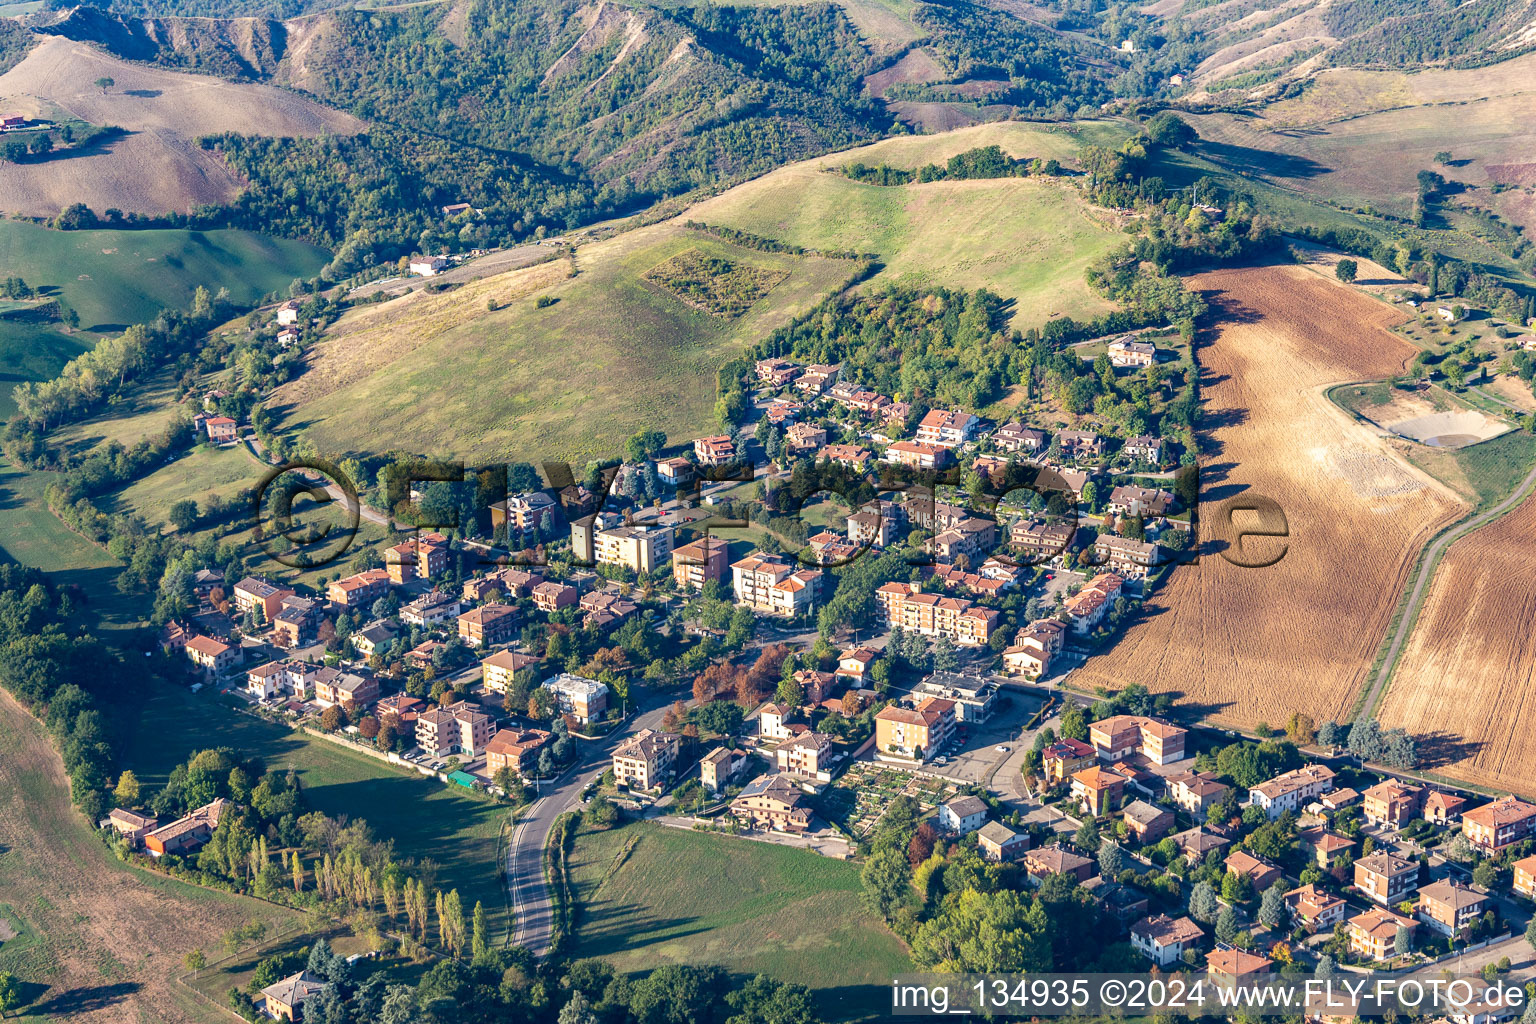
pixel 78 904
pixel 1254 645
pixel 1466 681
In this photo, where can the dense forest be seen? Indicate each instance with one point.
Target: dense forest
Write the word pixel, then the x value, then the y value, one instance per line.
pixel 1402 32
pixel 15 41
pixel 982 162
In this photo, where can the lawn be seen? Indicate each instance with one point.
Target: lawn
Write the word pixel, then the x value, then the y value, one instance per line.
pixel 425 818
pixel 689 897
pixel 444 376
pixel 197 474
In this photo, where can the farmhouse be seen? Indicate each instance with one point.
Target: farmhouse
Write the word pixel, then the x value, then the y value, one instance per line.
pixel 1127 351
pixel 132 827
pixel 284 1000
pixel 1386 878
pixel 772 802
pixel 288 312
pixel 221 429
pixel 188 833
pixel 1290 792
pixel 427 266
pixel 1163 939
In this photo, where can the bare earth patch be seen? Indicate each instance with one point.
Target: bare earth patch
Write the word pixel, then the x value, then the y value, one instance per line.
pixel 1254 645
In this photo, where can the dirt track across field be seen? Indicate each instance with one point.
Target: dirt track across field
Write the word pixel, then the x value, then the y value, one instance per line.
pixel 1249 645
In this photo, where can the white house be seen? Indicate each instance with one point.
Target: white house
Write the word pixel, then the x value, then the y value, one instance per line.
pixel 426 266
pixel 963 815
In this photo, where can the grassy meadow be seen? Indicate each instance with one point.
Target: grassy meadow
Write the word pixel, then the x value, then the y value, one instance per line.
pixel 445 376
pixel 1027 239
pixel 423 817
pixel 651 895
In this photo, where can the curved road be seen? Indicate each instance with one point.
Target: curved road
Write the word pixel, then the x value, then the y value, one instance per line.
pixel 532 913
pixel 1426 574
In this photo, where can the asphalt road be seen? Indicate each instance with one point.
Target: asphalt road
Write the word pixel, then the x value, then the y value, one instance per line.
pixel 534 923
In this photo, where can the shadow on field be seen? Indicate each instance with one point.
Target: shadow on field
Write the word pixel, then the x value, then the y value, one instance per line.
pixel 1259 161
pixel 1202 708
pixel 615 927
pixel 1438 749
pixel 84 1000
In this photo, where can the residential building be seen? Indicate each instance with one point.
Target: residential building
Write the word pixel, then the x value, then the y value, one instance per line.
pixel 1147 822
pixel 404 708
pixel 1374 933
pixel 777 372
pixel 214 657
pixel 254 594
pixel 1442 808
pixel 1078 444
pixel 947 428
pixel 333 686
pixel 427 266
pixel 1036 542
pixel 1143 448
pixel 1121 902
pixel 1091 606
pixel 1196 792
pixel 640 549
pixel 373 636
pixel 459 728
pixel 1066 757
pixel 487 625
pixel 1197 843
pixel 1127 351
pixel 582 699
pixel 674 472
pixel 1392 802
pixel 714 451
pixel 422 557
pixel 1125 556
pixel 1121 736
pixel 1034 648
pixel 804 437
pixel 1015 437
pixel 1291 791
pixel 288 313
pixel 973 696
pixel 284 1000
pixel 517 749
pixel 853 665
pixel 1525 877
pixel 1338 799
pixel 1314 909
pixel 645 762
pixel 524 515
pixel 1163 939
pixel 1492 827
pixel 430 609
pixel 1258 870
pixel 962 620
pixel 295 622
pixel 1098 790
pixel 1130 500
pixel 850 455
pixel 221 429
pixel 817 377
pixel 773 722
pixel 773 802
pixel 1056 860
pixel 265 680
pixel 606 608
pixel 1230 967
pixel 132 827
pixel 913 734
pixel 551 596
pixel 805 755
pixel 917 454
pixel 1448 906
pixel 696 564
pixel 359 590
pixel 962 815
pixel 1386 878
pixel 1000 843
pixel 498 669
pixel 1326 847
pixel 718 767
pixel 188 833
pixel 773 584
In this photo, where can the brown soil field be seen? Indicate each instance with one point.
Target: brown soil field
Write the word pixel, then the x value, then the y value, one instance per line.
pixel 918 65
pixel 1249 645
pixel 109 940
pixel 1466 681
pixel 159 167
